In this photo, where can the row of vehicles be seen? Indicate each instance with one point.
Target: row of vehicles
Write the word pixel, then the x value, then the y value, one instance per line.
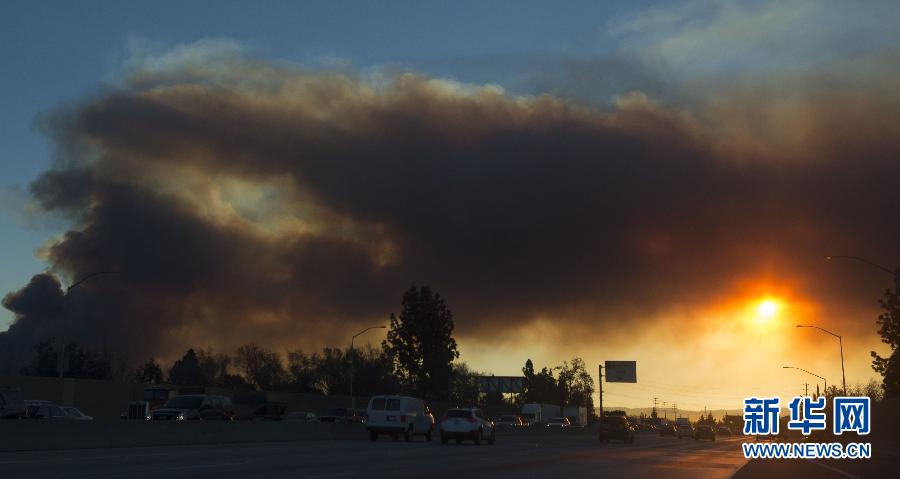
pixel 12 406
pixel 620 428
pixel 193 403
pixel 684 428
pixel 405 416
pixel 534 414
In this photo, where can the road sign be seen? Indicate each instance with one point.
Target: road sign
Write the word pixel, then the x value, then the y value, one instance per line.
pixel 501 384
pixel 621 371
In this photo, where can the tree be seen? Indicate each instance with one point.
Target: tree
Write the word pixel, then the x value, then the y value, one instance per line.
pixel 420 343
pixel 576 384
pixel 261 367
pixel 88 364
pixel 464 387
pixel 186 371
pixel 213 366
pixel 373 372
pixel 81 363
pixel 149 372
pixel 45 360
pixel 528 381
pixel 301 372
pixel 889 329
pixel 542 386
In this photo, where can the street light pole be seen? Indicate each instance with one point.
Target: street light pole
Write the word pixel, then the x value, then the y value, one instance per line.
pixel 353 363
pixel 814 374
pixel 62 350
pixel 841 343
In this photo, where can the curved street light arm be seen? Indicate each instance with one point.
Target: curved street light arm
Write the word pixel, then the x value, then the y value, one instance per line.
pixel 92 275
pixel 820 329
pixel 811 374
pixel 366 330
pixel 870 263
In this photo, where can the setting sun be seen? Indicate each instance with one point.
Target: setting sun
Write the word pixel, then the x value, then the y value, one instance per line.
pixel 767 309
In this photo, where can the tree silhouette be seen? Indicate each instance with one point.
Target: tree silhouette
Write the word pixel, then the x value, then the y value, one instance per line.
pixel 577 385
pixel 45 360
pixel 186 371
pixel 464 387
pixel 263 368
pixel 80 363
pixel 213 366
pixel 149 372
pixel 889 329
pixel 420 343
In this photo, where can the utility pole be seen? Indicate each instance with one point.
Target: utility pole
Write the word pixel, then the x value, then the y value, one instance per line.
pixel 675 409
pixel 62 350
pixel 600 388
pixel 353 365
pixel 806 389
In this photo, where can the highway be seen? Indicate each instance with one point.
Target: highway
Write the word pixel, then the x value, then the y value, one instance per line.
pixel 516 456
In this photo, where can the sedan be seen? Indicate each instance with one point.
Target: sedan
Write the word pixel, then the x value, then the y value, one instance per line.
pixel 559 422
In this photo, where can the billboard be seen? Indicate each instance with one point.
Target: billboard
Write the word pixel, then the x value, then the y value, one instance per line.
pixel 501 384
pixel 621 371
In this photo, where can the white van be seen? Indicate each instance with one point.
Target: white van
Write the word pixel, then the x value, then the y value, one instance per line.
pixel 399 415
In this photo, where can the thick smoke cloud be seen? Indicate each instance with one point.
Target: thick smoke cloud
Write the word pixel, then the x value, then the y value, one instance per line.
pixel 255 201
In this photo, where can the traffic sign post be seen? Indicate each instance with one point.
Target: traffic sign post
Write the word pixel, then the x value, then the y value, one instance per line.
pixel 621 371
pixel 616 372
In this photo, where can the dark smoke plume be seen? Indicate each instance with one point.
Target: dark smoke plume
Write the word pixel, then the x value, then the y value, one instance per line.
pixel 259 202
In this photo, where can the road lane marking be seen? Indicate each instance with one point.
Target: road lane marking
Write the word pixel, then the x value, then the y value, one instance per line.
pixel 199 466
pixel 334 474
pixel 834 469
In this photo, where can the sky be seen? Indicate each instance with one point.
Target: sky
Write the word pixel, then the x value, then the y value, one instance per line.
pixel 615 180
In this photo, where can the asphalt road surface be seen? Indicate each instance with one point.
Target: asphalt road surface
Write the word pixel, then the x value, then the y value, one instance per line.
pixel 570 456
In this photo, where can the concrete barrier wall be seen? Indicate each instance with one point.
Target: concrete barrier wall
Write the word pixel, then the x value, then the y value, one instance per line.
pixel 25 435
pixel 108 399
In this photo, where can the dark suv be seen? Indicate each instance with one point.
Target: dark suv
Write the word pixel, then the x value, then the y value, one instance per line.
pixel 616 427
pixel 704 431
pixel 195 406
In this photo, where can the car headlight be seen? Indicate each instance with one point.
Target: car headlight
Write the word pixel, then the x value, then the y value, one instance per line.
pixel 179 417
pixel 149 417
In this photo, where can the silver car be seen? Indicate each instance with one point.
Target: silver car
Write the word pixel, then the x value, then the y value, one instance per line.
pixel 462 424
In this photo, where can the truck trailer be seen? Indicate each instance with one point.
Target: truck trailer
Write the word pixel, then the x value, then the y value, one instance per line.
pixel 536 413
